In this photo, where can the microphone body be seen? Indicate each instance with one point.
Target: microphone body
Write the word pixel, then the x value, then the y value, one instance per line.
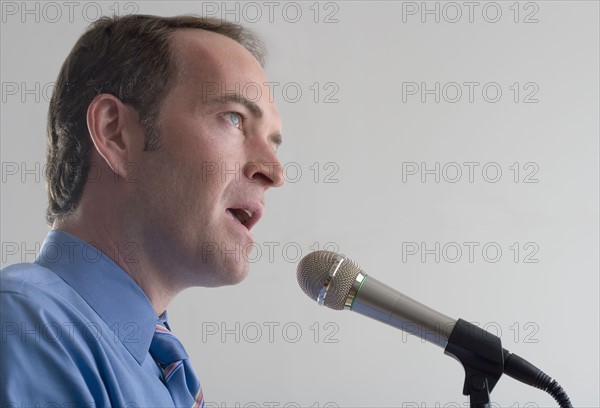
pixel 380 302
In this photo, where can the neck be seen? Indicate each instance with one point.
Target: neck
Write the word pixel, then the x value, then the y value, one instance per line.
pixel 126 249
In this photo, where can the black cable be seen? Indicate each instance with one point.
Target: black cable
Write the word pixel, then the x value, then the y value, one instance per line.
pixel 545 383
pixel 522 370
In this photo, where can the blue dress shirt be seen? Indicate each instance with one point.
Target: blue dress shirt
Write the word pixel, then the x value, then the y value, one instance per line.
pixel 76 332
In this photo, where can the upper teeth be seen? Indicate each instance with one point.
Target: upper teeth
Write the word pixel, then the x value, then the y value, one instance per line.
pixel 242 215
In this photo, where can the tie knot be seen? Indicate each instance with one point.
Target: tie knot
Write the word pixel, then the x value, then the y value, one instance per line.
pixel 165 347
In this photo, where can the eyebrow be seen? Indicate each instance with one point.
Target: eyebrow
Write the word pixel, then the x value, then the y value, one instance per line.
pixel 241 99
pixel 251 106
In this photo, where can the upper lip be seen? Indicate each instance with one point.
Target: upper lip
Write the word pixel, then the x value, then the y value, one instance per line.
pixel 252 209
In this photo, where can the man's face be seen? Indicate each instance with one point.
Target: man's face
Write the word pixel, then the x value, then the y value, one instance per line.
pixel 203 190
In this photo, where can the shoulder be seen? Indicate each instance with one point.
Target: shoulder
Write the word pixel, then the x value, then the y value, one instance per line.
pixel 34 300
pixel 43 340
pixel 39 310
pixel 30 283
pixel 21 277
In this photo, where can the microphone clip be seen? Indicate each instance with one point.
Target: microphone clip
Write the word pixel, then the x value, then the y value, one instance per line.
pixel 482 357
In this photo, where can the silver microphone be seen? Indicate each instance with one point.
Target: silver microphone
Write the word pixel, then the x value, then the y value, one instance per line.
pixel 335 281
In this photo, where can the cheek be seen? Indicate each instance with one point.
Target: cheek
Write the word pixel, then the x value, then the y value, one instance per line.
pixel 206 144
pixel 218 162
pixel 197 162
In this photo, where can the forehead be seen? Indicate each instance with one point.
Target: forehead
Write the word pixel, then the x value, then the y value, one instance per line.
pixel 213 65
pixel 206 56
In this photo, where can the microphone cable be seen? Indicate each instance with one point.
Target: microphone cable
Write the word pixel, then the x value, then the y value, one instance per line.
pixel 522 370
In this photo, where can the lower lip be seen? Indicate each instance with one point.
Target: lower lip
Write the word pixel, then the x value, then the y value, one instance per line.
pixel 240 225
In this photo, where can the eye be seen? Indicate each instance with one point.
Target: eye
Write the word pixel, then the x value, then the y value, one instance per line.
pixel 235 118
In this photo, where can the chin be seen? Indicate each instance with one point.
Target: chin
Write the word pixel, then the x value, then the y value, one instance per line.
pixel 229 275
pixel 238 278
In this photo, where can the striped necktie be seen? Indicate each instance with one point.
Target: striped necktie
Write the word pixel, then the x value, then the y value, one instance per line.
pixel 177 372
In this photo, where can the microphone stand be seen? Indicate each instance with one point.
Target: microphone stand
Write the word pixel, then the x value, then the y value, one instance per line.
pixel 482 357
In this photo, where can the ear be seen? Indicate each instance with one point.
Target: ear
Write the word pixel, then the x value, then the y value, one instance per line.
pixel 116 132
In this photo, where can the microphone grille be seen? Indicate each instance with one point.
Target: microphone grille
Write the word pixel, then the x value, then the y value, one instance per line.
pixel 313 275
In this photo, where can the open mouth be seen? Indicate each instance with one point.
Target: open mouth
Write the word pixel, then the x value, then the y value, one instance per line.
pixel 242 215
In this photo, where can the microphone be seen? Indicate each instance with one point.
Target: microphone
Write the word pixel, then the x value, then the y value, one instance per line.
pixel 337 282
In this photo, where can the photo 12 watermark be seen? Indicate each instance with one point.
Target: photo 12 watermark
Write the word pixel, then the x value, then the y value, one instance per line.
pixel 69 252
pixel 61 332
pixel 451 252
pixel 453 12
pixel 60 12
pixel 512 332
pixel 265 251
pixel 453 172
pixel 470 92
pixel 270 404
pixel 465 404
pixel 288 332
pixel 292 12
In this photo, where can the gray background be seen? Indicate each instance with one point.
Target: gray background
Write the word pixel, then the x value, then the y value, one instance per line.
pixel 348 152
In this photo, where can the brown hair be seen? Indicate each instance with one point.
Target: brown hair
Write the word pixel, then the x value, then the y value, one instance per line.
pixel 131 58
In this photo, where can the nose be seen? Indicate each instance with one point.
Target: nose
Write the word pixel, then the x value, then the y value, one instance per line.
pixel 269 173
pixel 264 166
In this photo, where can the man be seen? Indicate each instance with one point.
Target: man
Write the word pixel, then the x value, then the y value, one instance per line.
pixel 162 141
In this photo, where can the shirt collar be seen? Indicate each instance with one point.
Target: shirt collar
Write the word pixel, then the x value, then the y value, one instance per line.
pixel 107 288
